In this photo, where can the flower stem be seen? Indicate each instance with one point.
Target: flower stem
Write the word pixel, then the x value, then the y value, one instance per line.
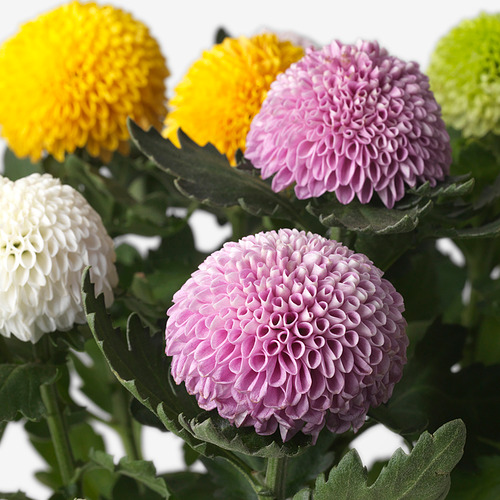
pixel 276 477
pixel 126 427
pixel 58 432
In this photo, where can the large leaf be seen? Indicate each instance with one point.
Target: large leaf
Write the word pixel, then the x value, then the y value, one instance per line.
pixel 204 174
pixel 424 474
pixel 138 360
pixel 20 389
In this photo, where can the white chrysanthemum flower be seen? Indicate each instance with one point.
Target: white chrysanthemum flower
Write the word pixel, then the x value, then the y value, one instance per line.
pixel 48 234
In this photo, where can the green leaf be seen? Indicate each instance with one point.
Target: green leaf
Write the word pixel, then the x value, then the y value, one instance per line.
pixel 429 281
pixel 145 416
pixel 138 360
pixel 422 474
pixel 488 230
pixel 422 399
pixel 15 168
pixel 97 380
pixel 209 427
pixel 425 472
pixel 20 389
pixel 190 485
pixel 346 481
pixel 316 459
pixel 126 487
pixel 481 483
pixel 123 207
pixel 368 218
pixel 19 495
pixel 204 174
pixel 432 393
pixel 229 482
pixel 141 471
pixel 450 187
pixel 221 34
pixel 83 438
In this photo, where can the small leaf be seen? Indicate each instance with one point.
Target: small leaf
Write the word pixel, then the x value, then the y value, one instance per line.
pixel 367 218
pixel 205 174
pixel 20 389
pixel 451 187
pixel 220 35
pixel 346 481
pixel 141 471
pixel 423 474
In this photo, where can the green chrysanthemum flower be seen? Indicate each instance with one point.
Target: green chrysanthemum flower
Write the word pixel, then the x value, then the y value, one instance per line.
pixel 464 74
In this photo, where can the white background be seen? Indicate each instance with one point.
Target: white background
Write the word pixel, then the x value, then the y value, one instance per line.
pixel 184 29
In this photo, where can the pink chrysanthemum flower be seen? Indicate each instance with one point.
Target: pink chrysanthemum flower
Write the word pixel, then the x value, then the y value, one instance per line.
pixel 350 119
pixel 288 330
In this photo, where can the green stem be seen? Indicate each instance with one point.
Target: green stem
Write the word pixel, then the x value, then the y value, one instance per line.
pixel 479 258
pixel 126 427
pixel 58 433
pixel 276 477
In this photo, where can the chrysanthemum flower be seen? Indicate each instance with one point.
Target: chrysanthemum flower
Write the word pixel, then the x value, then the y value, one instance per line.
pixel 288 330
pixel 353 120
pixel 48 235
pixel 223 90
pixel 71 77
pixel 465 76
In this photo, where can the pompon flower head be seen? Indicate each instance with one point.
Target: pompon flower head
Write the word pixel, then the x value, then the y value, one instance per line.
pixel 71 77
pixel 288 330
pixel 223 90
pixel 465 76
pixel 48 234
pixel 353 120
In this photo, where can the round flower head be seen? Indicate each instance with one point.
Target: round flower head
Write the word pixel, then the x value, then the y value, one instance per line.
pixel 288 330
pixel 221 92
pixel 465 76
pixel 48 235
pixel 71 77
pixel 350 119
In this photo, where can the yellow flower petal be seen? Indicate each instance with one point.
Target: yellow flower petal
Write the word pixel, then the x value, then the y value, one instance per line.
pixel 71 77
pixel 222 91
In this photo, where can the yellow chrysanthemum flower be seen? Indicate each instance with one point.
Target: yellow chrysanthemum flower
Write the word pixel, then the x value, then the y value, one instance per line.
pixel 223 90
pixel 71 77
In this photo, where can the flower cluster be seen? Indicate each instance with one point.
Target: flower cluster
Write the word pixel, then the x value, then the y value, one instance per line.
pixel 71 78
pixel 465 75
pixel 353 120
pixel 288 330
pixel 222 91
pixel 48 234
